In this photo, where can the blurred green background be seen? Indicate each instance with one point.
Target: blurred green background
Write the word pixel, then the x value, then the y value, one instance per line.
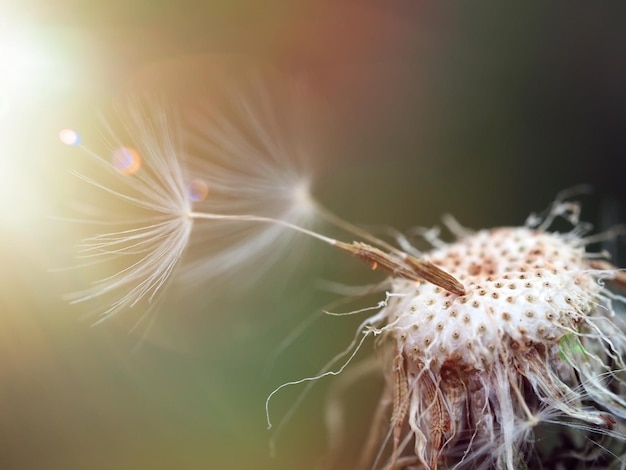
pixel 480 109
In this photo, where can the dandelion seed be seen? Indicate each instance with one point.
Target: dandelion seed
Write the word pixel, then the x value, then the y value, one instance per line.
pixel 239 200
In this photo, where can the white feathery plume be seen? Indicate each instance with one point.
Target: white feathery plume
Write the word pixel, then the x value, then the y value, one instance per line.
pixel 254 150
pixel 249 179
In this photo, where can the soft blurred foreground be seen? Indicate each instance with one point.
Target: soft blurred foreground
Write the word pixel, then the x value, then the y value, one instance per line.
pixel 483 112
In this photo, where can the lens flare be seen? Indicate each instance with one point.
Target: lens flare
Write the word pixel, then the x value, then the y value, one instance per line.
pixel 70 137
pixel 126 160
pixel 197 190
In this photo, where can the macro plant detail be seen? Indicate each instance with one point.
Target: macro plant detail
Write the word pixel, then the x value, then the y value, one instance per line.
pixel 482 340
pixel 537 338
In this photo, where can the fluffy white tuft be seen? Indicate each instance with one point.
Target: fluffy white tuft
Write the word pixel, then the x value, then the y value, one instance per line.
pixel 240 168
pixel 146 226
pixel 253 146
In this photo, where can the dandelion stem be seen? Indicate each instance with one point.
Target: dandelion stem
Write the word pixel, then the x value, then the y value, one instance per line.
pixel 353 229
pixel 269 220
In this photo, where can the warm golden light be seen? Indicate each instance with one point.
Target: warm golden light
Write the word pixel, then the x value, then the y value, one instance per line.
pixel 25 67
pixel 31 71
pixel 19 200
pixel 69 137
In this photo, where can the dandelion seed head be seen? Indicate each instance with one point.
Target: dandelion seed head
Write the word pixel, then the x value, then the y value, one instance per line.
pixel 232 165
pixel 523 288
pixel 536 335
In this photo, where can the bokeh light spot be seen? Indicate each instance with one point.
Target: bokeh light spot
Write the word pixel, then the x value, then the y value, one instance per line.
pixel 69 137
pixel 197 190
pixel 126 160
